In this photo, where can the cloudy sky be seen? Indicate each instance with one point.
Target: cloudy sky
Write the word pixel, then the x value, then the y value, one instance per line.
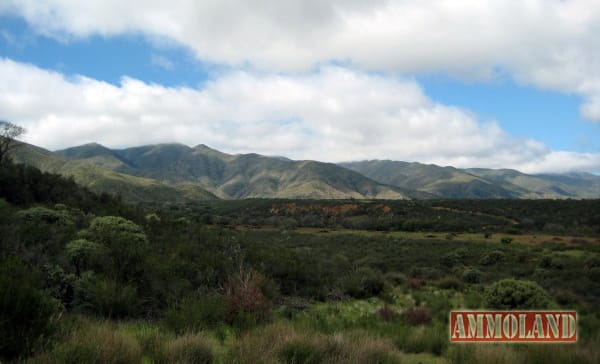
pixel 469 83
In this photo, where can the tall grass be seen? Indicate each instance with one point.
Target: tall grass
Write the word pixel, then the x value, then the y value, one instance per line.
pixel 95 343
pixel 281 342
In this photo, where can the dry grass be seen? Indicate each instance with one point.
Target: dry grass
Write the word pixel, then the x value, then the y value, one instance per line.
pixel 188 349
pixel 280 342
pixel 98 343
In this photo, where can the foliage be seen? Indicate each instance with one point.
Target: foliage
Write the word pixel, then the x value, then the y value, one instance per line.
pixel 127 243
pixel 472 276
pixel 177 270
pixel 85 254
pixel 418 316
pixel 8 133
pixel 199 311
pixel 27 314
pixel 516 294
pixel 246 302
pixel 364 282
pixel 492 258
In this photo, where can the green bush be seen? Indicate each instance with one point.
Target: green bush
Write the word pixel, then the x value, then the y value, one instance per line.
pixel 197 312
pixel 449 282
pixel 506 240
pixel 85 254
pixel 46 216
pixel 364 282
pixel 516 294
pixel 492 258
pixel 127 244
pixel 28 316
pixel 106 296
pixel 472 276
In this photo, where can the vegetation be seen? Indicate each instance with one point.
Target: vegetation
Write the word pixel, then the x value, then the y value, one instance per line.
pixel 279 280
pixel 8 133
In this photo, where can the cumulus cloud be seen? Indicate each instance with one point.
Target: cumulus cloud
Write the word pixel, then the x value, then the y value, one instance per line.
pixel 334 114
pixel 551 44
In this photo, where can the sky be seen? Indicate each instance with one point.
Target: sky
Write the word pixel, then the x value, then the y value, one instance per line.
pixel 467 83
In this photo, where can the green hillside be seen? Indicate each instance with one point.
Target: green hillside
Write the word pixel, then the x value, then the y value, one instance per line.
pixel 178 173
pixel 237 176
pixel 450 182
pixel 98 173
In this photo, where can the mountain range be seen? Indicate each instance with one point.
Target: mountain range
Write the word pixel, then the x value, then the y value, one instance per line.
pixel 178 173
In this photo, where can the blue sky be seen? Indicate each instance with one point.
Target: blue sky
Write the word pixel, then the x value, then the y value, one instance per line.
pixel 541 122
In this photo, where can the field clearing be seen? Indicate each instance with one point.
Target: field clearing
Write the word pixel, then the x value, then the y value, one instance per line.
pixel 529 239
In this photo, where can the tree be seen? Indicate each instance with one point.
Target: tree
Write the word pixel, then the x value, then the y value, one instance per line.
pixel 8 133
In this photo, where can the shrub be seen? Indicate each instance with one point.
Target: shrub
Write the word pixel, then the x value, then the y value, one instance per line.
pixel 364 282
pixel 449 282
pixel 594 274
pixel 396 278
pixel 386 313
pixel 492 258
pixel 416 283
pixel 246 303
pixel 506 240
pixel 27 314
pixel 197 312
pixel 45 215
pixel 112 299
pixel 516 294
pixel 565 297
pixel 84 254
pixel 450 259
pixel 126 241
pixel 472 276
pixel 418 316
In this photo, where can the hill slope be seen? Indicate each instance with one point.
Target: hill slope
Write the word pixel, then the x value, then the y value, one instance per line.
pixel 236 176
pixel 97 173
pixel 450 182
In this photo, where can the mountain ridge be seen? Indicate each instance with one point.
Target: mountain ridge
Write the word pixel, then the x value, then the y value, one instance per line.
pixel 234 176
pixel 452 182
pixel 178 172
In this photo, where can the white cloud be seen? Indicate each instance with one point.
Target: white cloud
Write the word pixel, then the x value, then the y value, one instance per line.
pixel 551 44
pixel 335 114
